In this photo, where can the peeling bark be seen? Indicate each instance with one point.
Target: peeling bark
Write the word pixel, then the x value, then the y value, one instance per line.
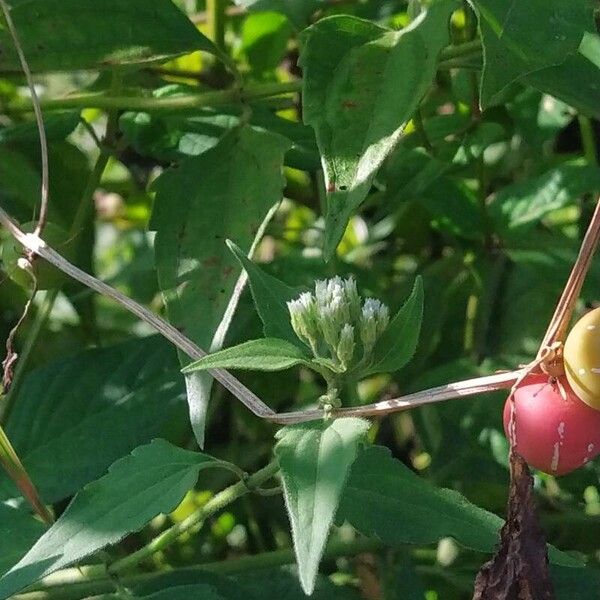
pixel 519 570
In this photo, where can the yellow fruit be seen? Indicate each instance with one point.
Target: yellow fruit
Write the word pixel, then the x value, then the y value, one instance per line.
pixel 582 358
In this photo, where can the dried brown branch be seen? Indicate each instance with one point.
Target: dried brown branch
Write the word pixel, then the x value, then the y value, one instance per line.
pixel 519 570
pixel 11 355
pixel 35 244
pixel 564 309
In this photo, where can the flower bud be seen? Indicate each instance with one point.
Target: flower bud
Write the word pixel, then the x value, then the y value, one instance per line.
pixel 375 317
pixel 330 320
pixel 345 348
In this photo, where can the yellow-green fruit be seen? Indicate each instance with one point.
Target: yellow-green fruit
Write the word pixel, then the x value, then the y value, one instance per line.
pixel 47 276
pixel 582 358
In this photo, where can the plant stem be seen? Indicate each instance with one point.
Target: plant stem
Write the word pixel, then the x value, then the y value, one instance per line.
pixel 173 103
pixel 83 209
pixel 420 127
pixel 471 47
pixel 71 584
pixel 212 98
pixel 44 196
pixel 216 17
pixel 236 387
pixel 559 323
pixel 588 140
pixel 29 344
pixel 218 502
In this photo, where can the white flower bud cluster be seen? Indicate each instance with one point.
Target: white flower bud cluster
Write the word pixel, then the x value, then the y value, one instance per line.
pixel 334 321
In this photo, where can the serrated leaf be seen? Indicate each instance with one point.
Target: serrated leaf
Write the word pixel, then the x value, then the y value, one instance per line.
pixel 385 499
pixel 526 202
pixel 56 34
pixel 18 532
pixel 315 459
pixel 399 341
pixel 270 299
pixel 150 481
pixel 515 45
pixel 88 410
pixel 227 191
pixel 267 354
pixel 362 84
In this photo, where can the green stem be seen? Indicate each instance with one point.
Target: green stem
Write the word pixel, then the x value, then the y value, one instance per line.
pixel 420 127
pixel 173 103
pixel 588 139
pixel 72 584
pixel 215 13
pixel 212 98
pixel 472 47
pixel 218 502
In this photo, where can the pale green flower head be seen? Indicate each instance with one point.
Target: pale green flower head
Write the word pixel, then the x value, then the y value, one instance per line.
pixel 337 324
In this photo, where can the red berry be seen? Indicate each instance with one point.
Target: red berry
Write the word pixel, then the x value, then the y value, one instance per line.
pixel 553 433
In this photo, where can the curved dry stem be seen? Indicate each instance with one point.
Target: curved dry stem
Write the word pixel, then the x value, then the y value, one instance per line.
pixel 35 244
pixel 43 216
pixel 559 323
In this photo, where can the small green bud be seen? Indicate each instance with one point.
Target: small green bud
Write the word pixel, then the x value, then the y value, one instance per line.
pixel 331 320
pixel 345 349
pixel 303 318
pixel 375 317
pixel 352 298
pixel 330 329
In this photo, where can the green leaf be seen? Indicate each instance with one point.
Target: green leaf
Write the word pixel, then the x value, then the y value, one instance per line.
pixel 270 298
pixel 186 592
pixel 56 125
pixel 526 202
pixel 264 39
pixel 88 410
pixel 18 532
pixel 575 584
pixel 56 34
pixel 515 45
pixel 175 136
pixel 267 354
pixel 362 83
pixel 315 459
pixel 575 82
pixel 282 584
pixel 385 499
pixel 225 587
pixel 399 341
pixel 227 191
pixel 150 481
pixel 297 11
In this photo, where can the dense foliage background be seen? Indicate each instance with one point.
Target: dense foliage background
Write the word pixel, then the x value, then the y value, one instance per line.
pixel 382 139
